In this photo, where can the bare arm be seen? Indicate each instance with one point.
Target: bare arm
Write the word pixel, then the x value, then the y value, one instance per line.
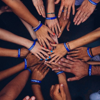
pixel 21 11
pixel 18 83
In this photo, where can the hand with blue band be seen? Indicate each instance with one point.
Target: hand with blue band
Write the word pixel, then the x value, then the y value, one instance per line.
pixel 66 47
pixel 59 72
pixel 90 70
pixel 92 2
pixel 38 28
pixel 35 81
pixel 29 70
pixel 50 18
pixel 88 52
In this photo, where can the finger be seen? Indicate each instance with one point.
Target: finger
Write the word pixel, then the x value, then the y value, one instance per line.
pixel 58 27
pixel 73 7
pixel 56 88
pixel 51 32
pixel 68 25
pixel 45 49
pixel 51 56
pixel 38 10
pixel 62 90
pixel 49 65
pixel 57 59
pixel 62 28
pixel 44 53
pixel 69 65
pixel 68 13
pixel 48 44
pixel 26 98
pixel 39 40
pixel 52 29
pixel 76 16
pixel 73 55
pixel 73 52
pixel 87 16
pixel 72 79
pixel 46 71
pixel 41 56
pixel 60 11
pixel 43 43
pixel 50 39
pixel 56 30
pixel 37 56
pixel 53 59
pixel 54 45
pixel 38 66
pixel 57 1
pixel 65 13
pixel 41 67
pixel 43 11
pixel 51 90
pixel 32 98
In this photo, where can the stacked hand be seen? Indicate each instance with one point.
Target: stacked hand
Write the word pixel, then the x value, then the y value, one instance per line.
pixel 39 7
pixel 24 52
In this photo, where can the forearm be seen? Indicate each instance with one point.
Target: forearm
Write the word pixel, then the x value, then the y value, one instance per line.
pixel 96 51
pixel 8 53
pixel 8 72
pixel 37 92
pixel 29 28
pixel 10 37
pixel 50 8
pixel 96 70
pixel 62 80
pixel 94 62
pixel 18 83
pixel 21 11
pixel 90 37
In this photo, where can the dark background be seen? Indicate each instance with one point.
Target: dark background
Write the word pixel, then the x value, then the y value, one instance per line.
pixel 80 90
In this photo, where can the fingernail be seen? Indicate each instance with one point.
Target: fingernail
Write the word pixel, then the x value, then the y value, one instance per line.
pixel 33 98
pixel 54 42
pixel 62 85
pixel 49 56
pixel 45 47
pixel 68 80
pixel 46 59
pixel 58 16
pixel 50 48
pixel 53 33
pixel 27 98
pixel 41 59
pixel 58 62
pixel 42 45
pixel 51 51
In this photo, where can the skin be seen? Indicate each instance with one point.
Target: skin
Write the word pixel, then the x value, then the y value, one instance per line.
pixel 15 69
pixel 84 12
pixel 55 94
pixel 60 50
pixel 52 24
pixel 18 83
pixel 13 53
pixel 39 73
pixel 68 4
pixel 10 37
pixel 39 7
pixel 29 98
pixel 21 11
pixel 63 23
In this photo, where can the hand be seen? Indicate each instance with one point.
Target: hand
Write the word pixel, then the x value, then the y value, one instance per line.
pixel 24 52
pixel 80 53
pixel 39 51
pixel 57 53
pixel 39 7
pixel 43 36
pixel 57 92
pixel 63 24
pixel 5 9
pixel 67 5
pixel 40 72
pixel 32 60
pixel 74 66
pixel 53 25
pixel 84 12
pixel 28 98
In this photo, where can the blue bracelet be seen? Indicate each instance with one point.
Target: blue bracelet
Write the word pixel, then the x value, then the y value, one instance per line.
pixel 66 47
pixel 88 52
pixel 59 72
pixel 36 81
pixel 50 18
pixel 38 27
pixel 32 46
pixel 18 53
pixel 93 2
pixel 36 40
pixel 90 68
pixel 29 70
pixel 25 64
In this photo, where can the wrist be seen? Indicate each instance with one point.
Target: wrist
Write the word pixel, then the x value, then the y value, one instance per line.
pixel 96 1
pixel 51 15
pixel 95 51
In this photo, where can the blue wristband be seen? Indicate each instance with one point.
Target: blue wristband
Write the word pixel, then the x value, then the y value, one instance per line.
pixel 18 53
pixel 93 2
pixel 90 68
pixel 88 52
pixel 36 81
pixel 59 72
pixel 25 64
pixel 66 47
pixel 50 18
pixel 32 46
pixel 36 40
pixel 38 27
pixel 29 70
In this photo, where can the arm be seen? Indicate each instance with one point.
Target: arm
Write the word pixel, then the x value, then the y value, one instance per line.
pixel 88 38
pixel 13 53
pixel 39 73
pixel 62 80
pixel 18 83
pixel 8 72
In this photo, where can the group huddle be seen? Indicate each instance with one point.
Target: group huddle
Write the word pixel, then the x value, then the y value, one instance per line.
pixel 44 52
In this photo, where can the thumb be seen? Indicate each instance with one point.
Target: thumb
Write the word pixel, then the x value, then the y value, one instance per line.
pixel 57 1
pixel 72 79
pixel 68 25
